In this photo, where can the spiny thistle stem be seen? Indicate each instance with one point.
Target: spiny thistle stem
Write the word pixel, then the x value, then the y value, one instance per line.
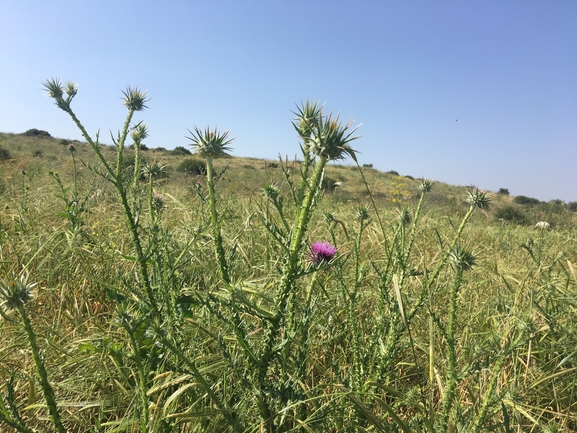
pixel 41 370
pixel 216 231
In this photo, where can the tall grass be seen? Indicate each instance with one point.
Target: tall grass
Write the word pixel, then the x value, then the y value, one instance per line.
pixel 163 306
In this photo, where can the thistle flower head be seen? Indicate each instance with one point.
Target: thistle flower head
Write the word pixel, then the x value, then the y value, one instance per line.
pixel 210 144
pixel 404 216
pixel 14 293
pixel 271 192
pixel 461 259
pixel 154 169
pixel 134 99
pixel 72 148
pixel 158 202
pixel 308 115
pixel 479 199
pixel 362 213
pixel 426 185
pixel 54 88
pixel 139 133
pixel 321 252
pixel 330 139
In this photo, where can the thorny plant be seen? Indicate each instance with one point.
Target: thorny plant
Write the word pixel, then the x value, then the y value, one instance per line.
pixel 302 346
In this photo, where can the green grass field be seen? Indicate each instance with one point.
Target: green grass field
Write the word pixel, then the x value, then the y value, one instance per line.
pixel 168 301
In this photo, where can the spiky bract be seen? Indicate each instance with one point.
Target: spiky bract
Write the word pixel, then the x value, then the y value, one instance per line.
pixel 210 144
pixel 15 293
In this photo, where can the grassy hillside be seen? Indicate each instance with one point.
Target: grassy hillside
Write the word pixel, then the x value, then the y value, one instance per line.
pixel 164 299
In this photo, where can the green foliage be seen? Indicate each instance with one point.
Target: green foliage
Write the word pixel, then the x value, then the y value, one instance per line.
pixel 194 166
pixel 4 154
pixel 572 206
pixel 523 200
pixel 503 191
pixel 37 133
pixel 261 304
pixel 512 213
pixel 181 150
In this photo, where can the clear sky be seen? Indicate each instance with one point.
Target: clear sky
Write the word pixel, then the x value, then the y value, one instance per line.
pixel 465 92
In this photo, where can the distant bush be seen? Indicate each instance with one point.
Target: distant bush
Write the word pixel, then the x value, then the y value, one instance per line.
pixel 64 142
pixel 37 133
pixel 37 154
pixel 368 165
pixel 160 149
pixel 4 154
pixel 572 206
pixel 328 184
pixel 393 172
pixel 179 150
pixel 409 177
pixel 521 199
pixel 512 214
pixel 503 191
pixel 193 166
pixel 271 165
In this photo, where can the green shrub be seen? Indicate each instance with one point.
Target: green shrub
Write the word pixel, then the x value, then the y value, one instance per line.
pixel 193 166
pixel 367 165
pixel 503 191
pixel 4 154
pixel 512 214
pixel 393 172
pixel 572 206
pixel 37 133
pixel 328 184
pixel 179 150
pixel 521 199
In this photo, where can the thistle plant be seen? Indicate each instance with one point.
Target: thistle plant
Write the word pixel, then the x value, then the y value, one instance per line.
pixel 134 100
pixel 460 260
pixel 210 145
pixel 14 294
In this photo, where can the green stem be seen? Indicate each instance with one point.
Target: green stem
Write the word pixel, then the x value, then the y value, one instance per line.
pixel 217 235
pixel 451 380
pixel 41 370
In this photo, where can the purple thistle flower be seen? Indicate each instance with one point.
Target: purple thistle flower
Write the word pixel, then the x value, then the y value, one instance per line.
pixel 321 252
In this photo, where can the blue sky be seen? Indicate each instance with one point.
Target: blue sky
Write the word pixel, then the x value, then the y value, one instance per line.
pixel 465 92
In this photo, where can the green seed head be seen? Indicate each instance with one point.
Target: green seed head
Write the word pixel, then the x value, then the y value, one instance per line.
pixel 404 216
pixel 14 293
pixel 210 144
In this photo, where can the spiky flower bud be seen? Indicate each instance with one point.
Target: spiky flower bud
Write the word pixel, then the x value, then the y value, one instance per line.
pixel 307 119
pixel 271 191
pixel 210 144
pixel 155 169
pixel 461 259
pixel 362 213
pixel 479 198
pixel 139 133
pixel 14 293
pixel 426 185
pixel 330 139
pixel 404 216
pixel 134 99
